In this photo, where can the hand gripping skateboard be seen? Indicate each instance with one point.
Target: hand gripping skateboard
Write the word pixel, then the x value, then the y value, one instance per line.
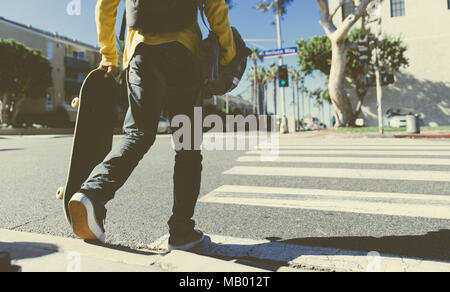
pixel 93 135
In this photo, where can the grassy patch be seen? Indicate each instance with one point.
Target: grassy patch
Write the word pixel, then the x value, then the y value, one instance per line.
pixel 366 130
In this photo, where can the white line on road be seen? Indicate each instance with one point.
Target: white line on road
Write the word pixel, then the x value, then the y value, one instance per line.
pixel 351 160
pixel 395 204
pixel 365 147
pixel 387 174
pixel 357 152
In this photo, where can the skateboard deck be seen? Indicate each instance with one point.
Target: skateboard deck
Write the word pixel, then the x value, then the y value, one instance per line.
pixel 93 135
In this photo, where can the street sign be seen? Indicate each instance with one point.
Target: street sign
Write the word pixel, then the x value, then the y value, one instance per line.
pixel 280 52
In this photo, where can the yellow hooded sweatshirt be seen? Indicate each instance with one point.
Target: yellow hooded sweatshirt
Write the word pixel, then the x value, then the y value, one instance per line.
pixel 106 17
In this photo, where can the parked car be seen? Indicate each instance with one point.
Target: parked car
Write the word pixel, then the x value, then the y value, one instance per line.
pixel 397 118
pixel 312 124
pixel 164 126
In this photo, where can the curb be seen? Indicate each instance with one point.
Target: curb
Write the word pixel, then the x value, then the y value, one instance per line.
pixel 44 131
pixel 424 136
pixel 301 258
pixel 45 253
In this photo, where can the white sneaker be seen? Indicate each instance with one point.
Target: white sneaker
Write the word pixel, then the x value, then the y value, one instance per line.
pixel 85 223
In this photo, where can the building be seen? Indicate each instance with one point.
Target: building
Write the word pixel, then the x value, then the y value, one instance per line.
pixel 424 86
pixel 70 59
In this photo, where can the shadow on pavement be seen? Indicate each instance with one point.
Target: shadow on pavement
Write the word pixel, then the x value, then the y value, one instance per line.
pixel 28 250
pixel 11 149
pixel 122 248
pixel 278 253
pixel 430 246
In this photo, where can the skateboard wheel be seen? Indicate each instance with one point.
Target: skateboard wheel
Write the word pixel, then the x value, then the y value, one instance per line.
pixel 75 102
pixel 60 193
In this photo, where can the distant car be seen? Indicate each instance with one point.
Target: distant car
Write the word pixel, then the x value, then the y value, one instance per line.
pixel 164 126
pixel 397 118
pixel 397 122
pixel 312 124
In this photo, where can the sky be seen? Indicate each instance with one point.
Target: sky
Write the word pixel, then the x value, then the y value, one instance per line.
pixel 300 22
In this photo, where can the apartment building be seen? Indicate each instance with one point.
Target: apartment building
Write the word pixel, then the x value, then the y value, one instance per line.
pixel 424 86
pixel 70 59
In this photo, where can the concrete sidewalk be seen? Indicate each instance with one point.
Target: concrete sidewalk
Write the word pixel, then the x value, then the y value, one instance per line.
pixel 44 253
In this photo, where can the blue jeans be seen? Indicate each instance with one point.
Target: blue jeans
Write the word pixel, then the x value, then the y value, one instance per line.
pixel 159 77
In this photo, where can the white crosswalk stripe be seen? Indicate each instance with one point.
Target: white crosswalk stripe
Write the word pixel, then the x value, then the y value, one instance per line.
pixel 413 205
pixel 352 160
pixel 358 152
pixel 365 147
pixel 388 174
pixel 377 203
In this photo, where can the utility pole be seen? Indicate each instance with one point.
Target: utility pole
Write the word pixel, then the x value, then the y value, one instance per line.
pixel 284 123
pixel 298 128
pixel 294 103
pixel 374 10
pixel 379 88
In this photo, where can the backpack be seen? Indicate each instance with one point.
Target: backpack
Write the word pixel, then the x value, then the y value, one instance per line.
pixel 160 16
pixel 220 80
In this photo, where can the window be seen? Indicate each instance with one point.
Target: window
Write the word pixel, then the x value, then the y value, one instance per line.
pixel 448 4
pixel 49 50
pixel 348 7
pixel 398 8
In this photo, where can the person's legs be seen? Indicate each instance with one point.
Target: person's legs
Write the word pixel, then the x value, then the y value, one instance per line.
pixel 183 96
pixel 146 90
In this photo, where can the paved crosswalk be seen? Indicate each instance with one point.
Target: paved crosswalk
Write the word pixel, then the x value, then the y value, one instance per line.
pixel 368 160
pixel 353 177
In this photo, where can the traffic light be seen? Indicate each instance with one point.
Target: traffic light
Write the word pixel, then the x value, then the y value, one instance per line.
pixel 283 76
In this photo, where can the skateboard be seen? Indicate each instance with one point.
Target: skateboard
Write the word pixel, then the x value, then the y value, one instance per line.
pixel 93 135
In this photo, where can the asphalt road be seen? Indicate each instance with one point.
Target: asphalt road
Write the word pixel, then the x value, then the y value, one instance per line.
pixel 33 167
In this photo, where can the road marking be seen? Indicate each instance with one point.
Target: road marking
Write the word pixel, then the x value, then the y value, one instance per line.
pixel 298 141
pixel 357 152
pixel 395 204
pixel 351 160
pixel 365 147
pixel 387 174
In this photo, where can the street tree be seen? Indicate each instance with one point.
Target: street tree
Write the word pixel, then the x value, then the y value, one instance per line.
pixel 271 5
pixel 264 81
pixel 272 74
pixel 255 56
pixel 297 83
pixel 316 55
pixel 257 79
pixel 24 73
pixel 343 111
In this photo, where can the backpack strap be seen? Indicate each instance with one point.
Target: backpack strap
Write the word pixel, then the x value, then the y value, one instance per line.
pixel 124 26
pixel 202 7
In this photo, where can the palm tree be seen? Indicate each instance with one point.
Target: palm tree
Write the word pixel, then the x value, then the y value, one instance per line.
pixel 272 75
pixel 267 5
pixel 255 56
pixel 260 74
pixel 262 80
pixel 298 81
